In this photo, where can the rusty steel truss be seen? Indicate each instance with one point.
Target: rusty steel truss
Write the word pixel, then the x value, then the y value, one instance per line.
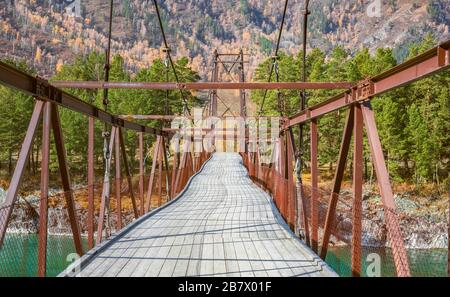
pixel 433 61
pixel 204 85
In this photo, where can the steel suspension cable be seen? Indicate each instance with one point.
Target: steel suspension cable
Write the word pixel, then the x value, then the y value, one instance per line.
pixel 106 134
pixel 275 54
pixel 299 163
pixel 305 28
pixel 166 70
pixel 279 95
pixel 108 54
pixel 213 93
pixel 106 78
pixel 303 91
pixel 186 107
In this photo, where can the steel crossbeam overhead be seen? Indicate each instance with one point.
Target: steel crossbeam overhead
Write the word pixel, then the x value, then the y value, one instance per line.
pixel 195 129
pixel 232 62
pixel 37 87
pixel 173 117
pixel 204 85
pixel 431 62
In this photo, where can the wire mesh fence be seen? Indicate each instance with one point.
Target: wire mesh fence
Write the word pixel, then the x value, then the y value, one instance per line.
pixel 385 232
pixel 424 238
pixel 19 251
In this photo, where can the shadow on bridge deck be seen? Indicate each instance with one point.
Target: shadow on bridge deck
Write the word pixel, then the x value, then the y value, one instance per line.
pixel 220 225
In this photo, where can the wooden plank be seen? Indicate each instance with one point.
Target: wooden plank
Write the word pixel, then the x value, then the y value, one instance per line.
pixel 119 255
pixel 170 262
pixel 153 246
pixel 255 260
pixel 193 268
pixel 139 260
pixel 182 263
pixel 220 268
pixel 207 256
pixel 231 258
pixel 157 262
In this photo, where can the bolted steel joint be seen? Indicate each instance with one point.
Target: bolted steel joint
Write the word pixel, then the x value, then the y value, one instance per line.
pixel 42 88
pixel 365 89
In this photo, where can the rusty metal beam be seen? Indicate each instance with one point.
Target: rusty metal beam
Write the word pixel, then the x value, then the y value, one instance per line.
pixel 387 197
pixel 192 129
pixel 65 179
pixel 292 210
pixel 174 117
pixel 314 186
pixel 182 168
pixel 37 87
pixel 204 85
pixel 160 172
pixel 11 194
pixel 118 181
pixel 43 206
pixel 152 174
pixel 175 168
pixel 426 64
pixel 339 175
pixel 282 169
pixel 358 148
pixel 232 62
pixel 91 182
pixel 141 172
pixel 180 173
pixel 128 173
pixel 231 54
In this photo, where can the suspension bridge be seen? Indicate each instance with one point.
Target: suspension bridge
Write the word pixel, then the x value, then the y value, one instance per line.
pixel 217 213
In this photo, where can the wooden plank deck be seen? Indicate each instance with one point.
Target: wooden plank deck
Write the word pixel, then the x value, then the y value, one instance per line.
pixel 222 224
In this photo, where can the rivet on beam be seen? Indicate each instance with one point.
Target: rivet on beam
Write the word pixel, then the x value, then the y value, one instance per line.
pixel 42 88
pixel 365 89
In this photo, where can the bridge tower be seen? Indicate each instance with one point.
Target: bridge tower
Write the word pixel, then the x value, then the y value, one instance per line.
pixel 227 67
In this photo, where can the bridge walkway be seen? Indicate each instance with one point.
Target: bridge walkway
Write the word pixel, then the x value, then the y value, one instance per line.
pixel 222 224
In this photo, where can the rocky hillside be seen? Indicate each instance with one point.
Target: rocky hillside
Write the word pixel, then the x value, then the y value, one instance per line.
pixel 50 36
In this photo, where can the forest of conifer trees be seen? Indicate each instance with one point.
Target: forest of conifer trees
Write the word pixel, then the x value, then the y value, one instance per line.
pixel 412 121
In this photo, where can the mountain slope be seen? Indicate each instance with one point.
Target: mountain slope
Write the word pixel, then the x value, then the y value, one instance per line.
pixel 45 32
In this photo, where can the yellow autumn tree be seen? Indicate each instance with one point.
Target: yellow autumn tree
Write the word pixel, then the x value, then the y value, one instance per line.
pixel 59 65
pixel 38 55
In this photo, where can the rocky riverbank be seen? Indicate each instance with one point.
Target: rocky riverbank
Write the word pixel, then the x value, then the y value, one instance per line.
pixel 25 216
pixel 423 226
